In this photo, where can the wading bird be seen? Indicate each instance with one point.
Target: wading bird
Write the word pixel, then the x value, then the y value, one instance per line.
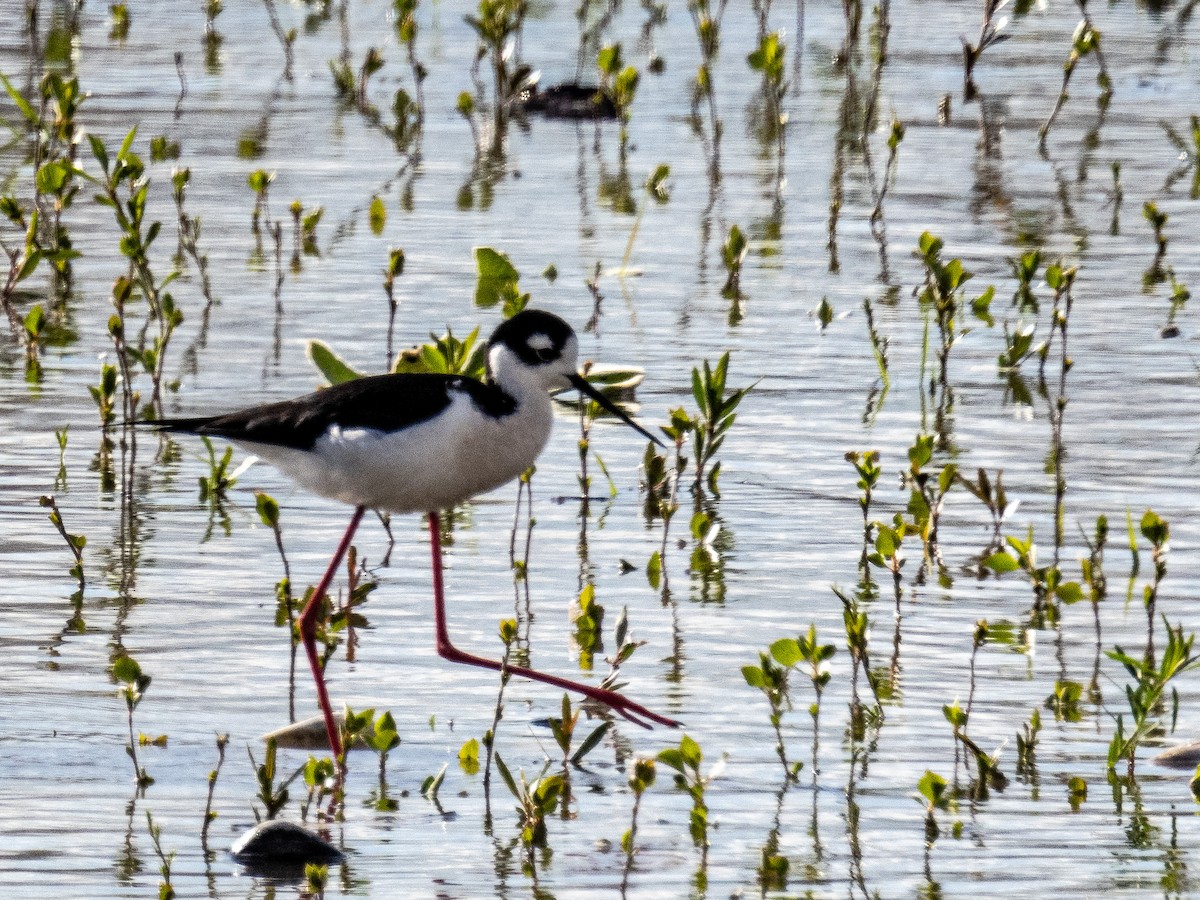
pixel 406 443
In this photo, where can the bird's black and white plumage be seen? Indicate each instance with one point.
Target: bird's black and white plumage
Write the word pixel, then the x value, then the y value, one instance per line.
pixel 418 442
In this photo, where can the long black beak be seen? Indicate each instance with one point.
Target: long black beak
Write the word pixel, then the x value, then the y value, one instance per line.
pixel 581 384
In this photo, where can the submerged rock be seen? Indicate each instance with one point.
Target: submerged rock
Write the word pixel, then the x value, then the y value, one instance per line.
pixel 309 734
pixel 1185 756
pixel 277 844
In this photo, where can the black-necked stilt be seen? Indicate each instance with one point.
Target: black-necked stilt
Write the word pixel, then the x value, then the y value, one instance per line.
pixel 421 443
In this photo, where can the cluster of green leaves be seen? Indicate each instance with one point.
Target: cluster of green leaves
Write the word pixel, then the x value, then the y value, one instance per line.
pixel 988 770
pixel 1145 695
pixel 771 677
pixel 564 729
pixel 943 294
pixel 219 480
pixel 497 28
pixel 619 83
pixel 733 254
pixel 927 495
pixel 937 797
pixel 126 175
pixel 1047 581
pixel 685 761
pixel 498 282
pixel 641 779
pixel 535 800
pixel 587 617
pixel 769 59
pixel 274 798
pixel 716 413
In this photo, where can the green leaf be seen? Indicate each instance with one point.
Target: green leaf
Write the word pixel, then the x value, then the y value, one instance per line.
pixel 1001 562
pixel 654 569
pixel 507 776
pixel 786 652
pixel 126 669
pixel 754 676
pixel 497 277
pixel 590 742
pixel 330 364
pixel 377 216
pixel 22 104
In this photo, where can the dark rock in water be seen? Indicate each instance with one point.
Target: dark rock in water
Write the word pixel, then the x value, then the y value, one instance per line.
pixel 277 844
pixel 570 101
pixel 1185 756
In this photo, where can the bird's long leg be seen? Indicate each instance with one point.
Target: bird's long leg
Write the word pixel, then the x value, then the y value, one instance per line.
pixel 632 711
pixel 308 634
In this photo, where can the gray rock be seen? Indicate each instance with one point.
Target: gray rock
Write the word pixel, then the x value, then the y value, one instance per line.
pixel 1185 756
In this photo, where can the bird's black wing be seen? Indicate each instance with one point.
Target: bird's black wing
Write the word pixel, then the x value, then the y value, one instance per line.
pixel 383 402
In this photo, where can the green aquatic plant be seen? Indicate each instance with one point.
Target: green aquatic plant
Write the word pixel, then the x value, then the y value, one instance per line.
pixel 587 616
pixel 619 83
pixel 990 492
pixel 125 174
pixel 989 35
pixel 1157 531
pixel 319 782
pixel 316 877
pixel 1024 270
pixel 1145 696
pixel 706 21
pixel 274 798
pixel 641 779
pixel 564 729
pixel 685 761
pixel 165 860
pixel 717 411
pixel 943 294
pixel 935 795
pixel 654 187
pixel 1027 741
pixel 393 270
pixel 733 254
pixel 209 813
pixel 498 282
pixel 134 684
pixel 215 485
pixel 926 500
pixel 189 235
pixel 508 636
pixel 1189 154
pixel 769 60
pixel 771 677
pixel 498 26
pixel 1158 221
pixel 75 542
pixel 1047 582
pixel 1084 42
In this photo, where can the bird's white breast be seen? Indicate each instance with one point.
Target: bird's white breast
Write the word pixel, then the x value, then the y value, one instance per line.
pixel 432 465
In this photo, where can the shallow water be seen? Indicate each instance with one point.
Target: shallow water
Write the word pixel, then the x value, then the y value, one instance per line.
pixel 195 603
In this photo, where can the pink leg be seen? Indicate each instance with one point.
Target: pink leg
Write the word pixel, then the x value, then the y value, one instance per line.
pixel 626 707
pixel 308 634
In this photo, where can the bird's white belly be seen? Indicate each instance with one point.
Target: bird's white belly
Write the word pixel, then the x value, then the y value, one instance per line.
pixel 429 466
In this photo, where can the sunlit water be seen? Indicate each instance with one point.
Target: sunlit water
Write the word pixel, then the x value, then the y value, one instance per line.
pixel 199 605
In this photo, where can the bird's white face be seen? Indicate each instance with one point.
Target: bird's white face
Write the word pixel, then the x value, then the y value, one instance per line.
pixel 534 349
